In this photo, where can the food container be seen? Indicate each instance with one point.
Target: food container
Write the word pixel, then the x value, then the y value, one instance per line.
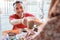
pixel 12 36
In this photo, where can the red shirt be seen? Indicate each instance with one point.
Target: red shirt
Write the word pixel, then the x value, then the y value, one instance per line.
pixel 14 16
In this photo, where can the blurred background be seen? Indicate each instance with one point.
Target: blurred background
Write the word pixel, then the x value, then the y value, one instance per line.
pixel 39 8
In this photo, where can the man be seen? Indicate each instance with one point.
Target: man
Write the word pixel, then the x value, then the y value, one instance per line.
pixel 17 19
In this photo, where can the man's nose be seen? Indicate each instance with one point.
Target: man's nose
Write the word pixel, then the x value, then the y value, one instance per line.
pixel 19 9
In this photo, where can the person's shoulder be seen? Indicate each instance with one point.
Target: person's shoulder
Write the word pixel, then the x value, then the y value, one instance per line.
pixel 28 14
pixel 12 14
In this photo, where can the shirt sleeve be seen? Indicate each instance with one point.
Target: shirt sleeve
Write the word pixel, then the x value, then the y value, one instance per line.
pixel 11 17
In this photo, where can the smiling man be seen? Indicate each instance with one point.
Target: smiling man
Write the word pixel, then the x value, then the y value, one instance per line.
pixel 17 19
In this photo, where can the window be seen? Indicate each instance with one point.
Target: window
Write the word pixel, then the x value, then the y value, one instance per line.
pixel 39 8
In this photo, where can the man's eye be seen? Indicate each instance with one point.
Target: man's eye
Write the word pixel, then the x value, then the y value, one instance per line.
pixel 17 8
pixel 21 7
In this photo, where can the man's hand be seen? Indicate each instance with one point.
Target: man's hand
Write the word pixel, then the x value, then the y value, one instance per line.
pixel 25 21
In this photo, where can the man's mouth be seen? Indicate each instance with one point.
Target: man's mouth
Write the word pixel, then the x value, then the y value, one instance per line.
pixel 18 12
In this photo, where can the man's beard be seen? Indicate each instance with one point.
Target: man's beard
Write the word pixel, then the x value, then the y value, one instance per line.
pixel 20 14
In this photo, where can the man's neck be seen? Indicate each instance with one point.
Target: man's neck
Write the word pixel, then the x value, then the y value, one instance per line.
pixel 20 16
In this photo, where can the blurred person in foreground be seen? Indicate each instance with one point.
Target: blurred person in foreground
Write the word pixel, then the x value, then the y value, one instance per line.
pixel 51 30
pixel 51 5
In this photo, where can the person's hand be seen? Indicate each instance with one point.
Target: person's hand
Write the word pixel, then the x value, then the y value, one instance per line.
pixel 25 21
pixel 28 21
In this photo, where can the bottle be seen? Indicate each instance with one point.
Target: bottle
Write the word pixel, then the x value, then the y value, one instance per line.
pixel 35 28
pixel 12 36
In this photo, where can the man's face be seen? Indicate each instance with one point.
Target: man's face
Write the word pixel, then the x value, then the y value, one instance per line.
pixel 18 8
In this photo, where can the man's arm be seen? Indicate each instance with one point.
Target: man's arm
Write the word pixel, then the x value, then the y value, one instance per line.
pixel 37 21
pixel 16 21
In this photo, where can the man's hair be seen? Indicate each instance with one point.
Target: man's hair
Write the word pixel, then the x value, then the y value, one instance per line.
pixel 17 2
